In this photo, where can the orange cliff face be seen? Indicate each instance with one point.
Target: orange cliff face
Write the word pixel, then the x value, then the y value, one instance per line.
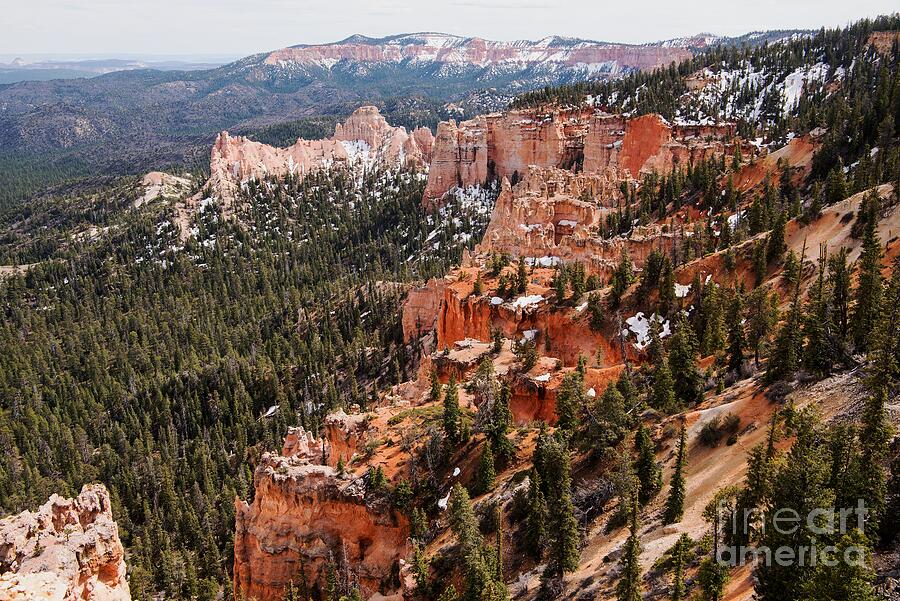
pixel 505 145
pixel 304 515
pixel 68 550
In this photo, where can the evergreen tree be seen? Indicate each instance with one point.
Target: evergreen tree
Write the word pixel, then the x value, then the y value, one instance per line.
pixel 688 382
pixel 435 387
pixel 675 502
pixel 562 528
pixel 595 311
pixel 486 473
pixel 679 550
pixel 868 290
pixel 647 470
pixel 834 578
pixel 521 277
pixel 452 416
pixel 711 319
pixel 775 245
pixel 622 278
pixel 839 285
pixel 609 422
pixel 818 354
pixel 535 520
pixel 800 485
pixel 629 587
pixel 762 313
pixel 569 400
pixel 785 358
pixel 735 326
pixel 836 185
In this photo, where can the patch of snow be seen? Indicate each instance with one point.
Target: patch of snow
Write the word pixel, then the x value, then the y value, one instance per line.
pixel 542 261
pixel 639 325
pixel 682 290
pixel 455 472
pixel 529 334
pixel 544 378
pixel 527 301
pixel 496 300
pixel 568 223
pixel 442 503
pixel 591 392
pixel 271 411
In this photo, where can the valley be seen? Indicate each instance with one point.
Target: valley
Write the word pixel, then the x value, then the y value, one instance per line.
pixel 543 348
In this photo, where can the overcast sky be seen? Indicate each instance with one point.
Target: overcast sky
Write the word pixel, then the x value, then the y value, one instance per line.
pixel 241 27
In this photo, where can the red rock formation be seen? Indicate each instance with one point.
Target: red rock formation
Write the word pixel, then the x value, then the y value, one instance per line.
pixel 498 146
pixel 458 157
pixel 884 41
pixel 302 515
pixel 69 550
pixel 364 137
pixel 345 435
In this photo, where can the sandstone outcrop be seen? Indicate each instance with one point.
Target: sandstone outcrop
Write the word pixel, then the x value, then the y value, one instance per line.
pixel 157 184
pixel 303 516
pixel 505 145
pixel 365 138
pixel 68 550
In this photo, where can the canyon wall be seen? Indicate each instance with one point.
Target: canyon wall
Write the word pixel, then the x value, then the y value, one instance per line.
pixel 505 145
pixel 68 550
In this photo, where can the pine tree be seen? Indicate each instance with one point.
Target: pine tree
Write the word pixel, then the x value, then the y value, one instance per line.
pixel 775 245
pixel 785 357
pixel 839 284
pixel 868 290
pixel 675 501
pixel 818 354
pixel 647 470
pixel 679 550
pixel 486 473
pixel 452 416
pixel 836 185
pixel 762 313
pixel 629 587
pixel 835 578
pixel 478 287
pixel 559 285
pixel 621 279
pixel 609 422
pixel 666 287
pixel 420 569
pixel 569 399
pixel 735 327
pixel 688 382
pixel 800 484
pixel 435 387
pixel 562 528
pixel 521 277
pixel 535 520
pixel 662 395
pixel 875 427
pixel 713 332
pixel 595 311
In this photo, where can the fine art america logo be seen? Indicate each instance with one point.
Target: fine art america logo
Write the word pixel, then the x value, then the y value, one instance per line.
pixel 828 523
